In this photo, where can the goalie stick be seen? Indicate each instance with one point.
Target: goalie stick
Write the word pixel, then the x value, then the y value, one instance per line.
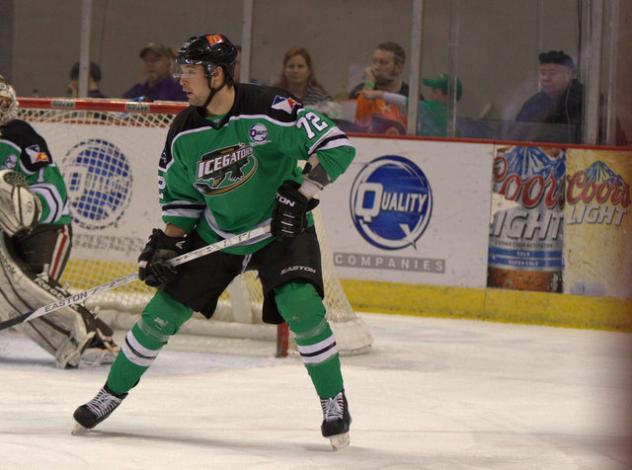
pixel 186 257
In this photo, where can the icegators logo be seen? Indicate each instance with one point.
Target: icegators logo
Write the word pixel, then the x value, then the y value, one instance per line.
pixel 391 202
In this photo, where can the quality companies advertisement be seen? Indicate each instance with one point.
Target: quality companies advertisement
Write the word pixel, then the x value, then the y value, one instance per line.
pixel 598 223
pixel 411 211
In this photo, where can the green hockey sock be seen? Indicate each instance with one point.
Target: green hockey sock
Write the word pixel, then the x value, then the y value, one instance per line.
pixel 161 318
pixel 302 308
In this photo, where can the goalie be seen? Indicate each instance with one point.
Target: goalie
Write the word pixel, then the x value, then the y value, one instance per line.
pixel 35 242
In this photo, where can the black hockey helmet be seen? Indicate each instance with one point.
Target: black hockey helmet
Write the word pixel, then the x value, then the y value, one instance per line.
pixel 210 51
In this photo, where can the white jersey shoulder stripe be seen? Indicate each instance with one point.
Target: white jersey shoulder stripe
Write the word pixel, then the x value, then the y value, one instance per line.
pixel 262 116
pixel 232 118
pixel 11 144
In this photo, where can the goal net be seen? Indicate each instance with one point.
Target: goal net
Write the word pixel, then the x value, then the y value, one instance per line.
pixel 107 151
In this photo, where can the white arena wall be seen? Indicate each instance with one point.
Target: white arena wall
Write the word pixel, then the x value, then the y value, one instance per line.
pixel 407 225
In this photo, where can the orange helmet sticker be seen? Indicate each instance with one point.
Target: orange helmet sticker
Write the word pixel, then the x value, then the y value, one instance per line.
pixel 214 39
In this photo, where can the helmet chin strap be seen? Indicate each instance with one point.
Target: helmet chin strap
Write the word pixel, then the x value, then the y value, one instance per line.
pixel 212 92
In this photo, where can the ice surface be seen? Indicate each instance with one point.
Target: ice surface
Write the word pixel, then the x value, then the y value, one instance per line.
pixel 432 394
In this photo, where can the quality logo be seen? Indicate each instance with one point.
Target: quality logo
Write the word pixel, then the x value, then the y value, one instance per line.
pixel 391 202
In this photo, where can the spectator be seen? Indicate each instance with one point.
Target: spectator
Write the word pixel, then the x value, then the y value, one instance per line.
pixel 385 71
pixel 298 78
pixel 159 84
pixel 433 112
pixel 94 77
pixel 560 99
pixel 374 114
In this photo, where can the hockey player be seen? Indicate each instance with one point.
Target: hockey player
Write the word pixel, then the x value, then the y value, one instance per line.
pixel 230 165
pixel 35 242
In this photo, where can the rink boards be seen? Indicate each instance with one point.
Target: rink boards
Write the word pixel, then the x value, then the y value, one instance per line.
pixel 408 223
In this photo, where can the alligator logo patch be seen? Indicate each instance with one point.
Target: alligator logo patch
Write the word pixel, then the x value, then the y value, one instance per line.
pixel 225 169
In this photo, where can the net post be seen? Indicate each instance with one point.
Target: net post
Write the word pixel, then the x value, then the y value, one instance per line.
pixel 283 340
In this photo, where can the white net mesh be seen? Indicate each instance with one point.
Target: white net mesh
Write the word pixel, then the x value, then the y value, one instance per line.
pixel 108 152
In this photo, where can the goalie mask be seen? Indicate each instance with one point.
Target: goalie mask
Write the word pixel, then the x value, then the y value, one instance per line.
pixel 210 51
pixel 8 102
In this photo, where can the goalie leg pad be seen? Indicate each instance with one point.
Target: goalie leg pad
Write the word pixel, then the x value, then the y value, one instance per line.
pixel 64 333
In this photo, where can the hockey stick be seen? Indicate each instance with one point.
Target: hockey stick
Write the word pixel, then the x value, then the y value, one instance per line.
pixel 81 296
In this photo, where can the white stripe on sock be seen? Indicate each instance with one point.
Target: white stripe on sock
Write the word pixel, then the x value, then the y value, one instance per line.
pixel 133 356
pixel 312 348
pixel 319 352
pixel 133 342
pixel 320 357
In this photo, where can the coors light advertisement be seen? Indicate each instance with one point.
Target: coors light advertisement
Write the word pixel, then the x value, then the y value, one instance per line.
pixel 526 230
pixel 598 232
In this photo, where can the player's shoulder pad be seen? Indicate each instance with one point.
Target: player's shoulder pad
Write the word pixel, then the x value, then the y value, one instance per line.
pixel 188 118
pixel 271 101
pixel 35 153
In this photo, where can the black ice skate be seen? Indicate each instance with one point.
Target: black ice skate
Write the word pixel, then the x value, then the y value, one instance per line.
pixel 96 410
pixel 336 420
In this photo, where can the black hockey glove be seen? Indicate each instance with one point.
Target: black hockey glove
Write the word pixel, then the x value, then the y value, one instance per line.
pixel 289 216
pixel 152 262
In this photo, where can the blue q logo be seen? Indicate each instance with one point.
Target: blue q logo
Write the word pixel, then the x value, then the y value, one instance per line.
pixel 391 202
pixel 99 181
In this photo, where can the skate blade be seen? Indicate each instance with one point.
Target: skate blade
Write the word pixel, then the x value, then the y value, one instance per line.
pixel 78 430
pixel 340 441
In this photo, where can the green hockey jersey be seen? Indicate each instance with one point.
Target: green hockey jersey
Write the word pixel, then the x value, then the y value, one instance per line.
pixel 220 176
pixel 25 151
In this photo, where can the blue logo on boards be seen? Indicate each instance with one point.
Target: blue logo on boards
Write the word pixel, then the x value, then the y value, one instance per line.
pixel 99 180
pixel 391 202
